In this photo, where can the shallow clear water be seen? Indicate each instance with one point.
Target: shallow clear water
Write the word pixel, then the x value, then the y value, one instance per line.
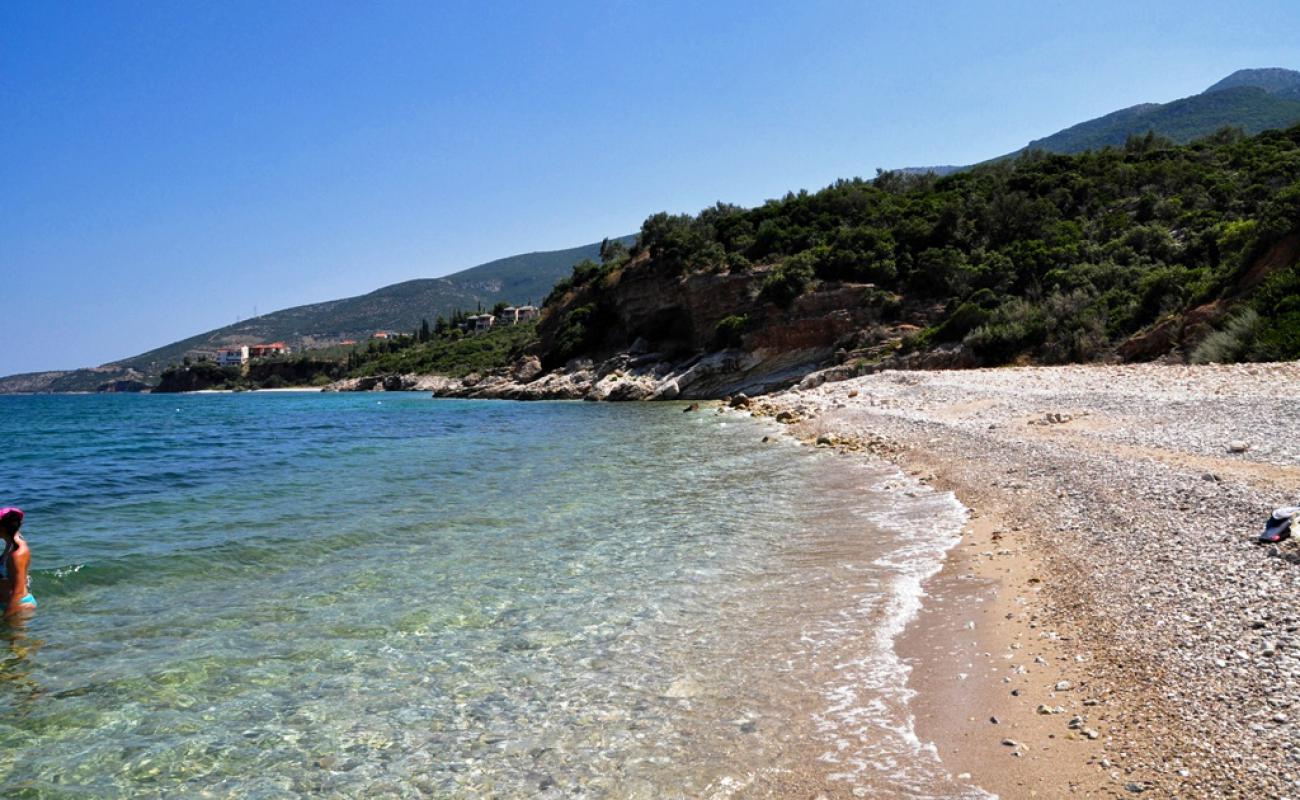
pixel 276 594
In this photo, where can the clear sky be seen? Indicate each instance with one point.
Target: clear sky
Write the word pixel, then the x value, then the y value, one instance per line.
pixel 168 167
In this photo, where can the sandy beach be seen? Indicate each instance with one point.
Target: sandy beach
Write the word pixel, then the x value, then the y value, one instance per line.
pixel 1108 625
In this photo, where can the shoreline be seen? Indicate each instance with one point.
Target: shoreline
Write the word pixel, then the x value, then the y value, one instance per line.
pixel 965 629
pixel 1110 547
pixel 970 648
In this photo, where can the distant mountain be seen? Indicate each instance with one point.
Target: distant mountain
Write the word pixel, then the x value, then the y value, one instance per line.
pixel 1274 80
pixel 1251 108
pixel 1254 100
pixel 399 307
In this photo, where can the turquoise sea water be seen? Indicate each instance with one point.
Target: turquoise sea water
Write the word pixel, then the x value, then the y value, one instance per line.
pixel 270 595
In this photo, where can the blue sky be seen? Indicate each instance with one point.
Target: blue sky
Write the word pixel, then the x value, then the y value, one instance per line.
pixel 168 167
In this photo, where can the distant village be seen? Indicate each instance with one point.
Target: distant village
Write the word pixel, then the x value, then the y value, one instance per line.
pixel 241 354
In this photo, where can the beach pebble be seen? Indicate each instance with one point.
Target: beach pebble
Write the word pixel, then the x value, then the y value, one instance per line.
pixel 1063 686
pixel 1010 743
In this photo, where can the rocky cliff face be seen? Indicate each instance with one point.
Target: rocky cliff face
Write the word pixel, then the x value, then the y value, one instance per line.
pixel 675 314
pixel 705 334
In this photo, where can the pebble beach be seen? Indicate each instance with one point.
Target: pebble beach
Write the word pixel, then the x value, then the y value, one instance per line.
pixel 1109 625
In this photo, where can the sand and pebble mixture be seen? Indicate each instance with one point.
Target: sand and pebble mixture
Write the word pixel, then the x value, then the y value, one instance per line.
pixel 1132 638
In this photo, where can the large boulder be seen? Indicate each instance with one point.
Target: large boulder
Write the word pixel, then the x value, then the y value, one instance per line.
pixel 631 388
pixel 667 390
pixel 526 369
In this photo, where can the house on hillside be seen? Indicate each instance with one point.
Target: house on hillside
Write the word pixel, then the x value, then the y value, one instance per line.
pixel 382 335
pixel 233 356
pixel 265 350
pixel 479 322
pixel 514 315
pixel 239 355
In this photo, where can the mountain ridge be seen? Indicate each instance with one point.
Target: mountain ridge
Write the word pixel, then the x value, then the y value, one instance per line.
pixel 1254 100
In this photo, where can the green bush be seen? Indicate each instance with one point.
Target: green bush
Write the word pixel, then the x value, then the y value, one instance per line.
pixel 965 319
pixel 1278 338
pixel 789 280
pixel 729 332
pixel 1075 328
pixel 1015 328
pixel 1231 343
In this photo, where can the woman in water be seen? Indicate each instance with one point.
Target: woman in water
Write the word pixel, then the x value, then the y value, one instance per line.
pixel 13 564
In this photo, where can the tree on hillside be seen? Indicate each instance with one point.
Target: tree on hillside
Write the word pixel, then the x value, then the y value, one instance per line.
pixel 612 250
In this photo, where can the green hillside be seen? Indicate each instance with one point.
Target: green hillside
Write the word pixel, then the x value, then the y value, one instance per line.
pixel 1251 108
pixel 1254 100
pixel 1147 250
pixel 399 307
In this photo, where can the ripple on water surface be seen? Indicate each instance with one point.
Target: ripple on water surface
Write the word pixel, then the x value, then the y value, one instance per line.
pixel 260 595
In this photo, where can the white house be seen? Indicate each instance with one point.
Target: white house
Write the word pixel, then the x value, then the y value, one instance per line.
pixel 233 356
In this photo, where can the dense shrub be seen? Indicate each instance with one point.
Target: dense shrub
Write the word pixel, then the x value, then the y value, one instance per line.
pixel 729 331
pixel 581 330
pixel 1231 343
pixel 790 279
pixel 1016 327
pixel 965 319
pixel 1075 328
